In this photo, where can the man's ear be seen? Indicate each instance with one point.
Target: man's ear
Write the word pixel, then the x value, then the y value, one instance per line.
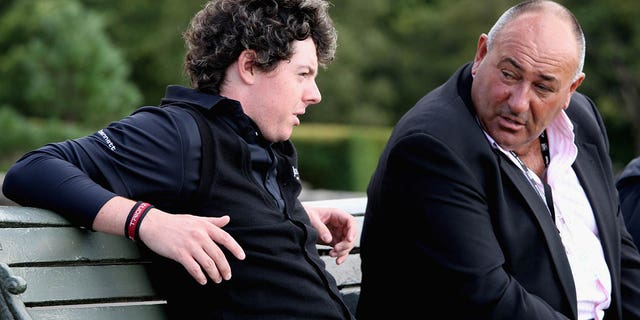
pixel 573 88
pixel 246 69
pixel 481 52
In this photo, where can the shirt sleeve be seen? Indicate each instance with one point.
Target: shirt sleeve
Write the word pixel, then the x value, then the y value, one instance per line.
pixel 151 155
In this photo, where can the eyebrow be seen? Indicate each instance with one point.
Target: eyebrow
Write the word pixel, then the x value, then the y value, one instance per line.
pixel 310 69
pixel 516 65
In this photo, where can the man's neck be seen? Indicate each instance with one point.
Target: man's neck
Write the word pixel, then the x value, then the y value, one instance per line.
pixel 531 156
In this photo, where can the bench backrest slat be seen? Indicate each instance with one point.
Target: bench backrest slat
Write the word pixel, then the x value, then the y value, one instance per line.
pixel 59 244
pixel 117 312
pixel 14 216
pixel 84 284
pixel 346 274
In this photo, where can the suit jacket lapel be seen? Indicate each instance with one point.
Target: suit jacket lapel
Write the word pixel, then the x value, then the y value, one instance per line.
pixel 541 212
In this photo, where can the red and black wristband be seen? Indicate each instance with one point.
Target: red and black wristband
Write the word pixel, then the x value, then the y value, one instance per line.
pixel 137 213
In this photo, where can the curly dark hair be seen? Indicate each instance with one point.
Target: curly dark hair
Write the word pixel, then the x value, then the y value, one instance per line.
pixel 224 28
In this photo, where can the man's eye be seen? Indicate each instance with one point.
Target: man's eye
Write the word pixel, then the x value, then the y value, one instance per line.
pixel 543 88
pixel 507 74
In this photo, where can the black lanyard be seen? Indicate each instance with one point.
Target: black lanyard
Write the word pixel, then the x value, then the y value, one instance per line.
pixel 544 148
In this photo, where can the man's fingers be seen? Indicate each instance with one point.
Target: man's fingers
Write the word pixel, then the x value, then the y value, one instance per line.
pixel 211 260
pixel 195 271
pixel 220 221
pixel 215 263
pixel 323 231
pixel 222 238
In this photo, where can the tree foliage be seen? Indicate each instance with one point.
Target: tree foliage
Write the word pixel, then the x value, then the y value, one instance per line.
pixel 57 62
pixel 612 67
pixel 396 51
pixel 149 34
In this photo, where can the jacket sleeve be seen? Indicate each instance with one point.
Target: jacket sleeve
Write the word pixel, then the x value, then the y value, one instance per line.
pixel 628 185
pixel 144 154
pixel 44 178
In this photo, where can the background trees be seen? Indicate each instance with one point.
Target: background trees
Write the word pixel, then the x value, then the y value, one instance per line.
pixel 69 66
pixel 58 62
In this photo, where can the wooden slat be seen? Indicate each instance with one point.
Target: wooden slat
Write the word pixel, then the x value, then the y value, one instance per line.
pixel 13 216
pixel 22 246
pixel 83 283
pixel 133 312
pixel 355 206
pixel 346 274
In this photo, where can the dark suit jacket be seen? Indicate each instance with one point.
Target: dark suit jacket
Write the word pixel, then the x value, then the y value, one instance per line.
pixel 628 185
pixel 455 224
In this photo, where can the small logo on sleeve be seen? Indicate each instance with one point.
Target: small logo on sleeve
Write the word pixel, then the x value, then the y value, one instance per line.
pixel 107 140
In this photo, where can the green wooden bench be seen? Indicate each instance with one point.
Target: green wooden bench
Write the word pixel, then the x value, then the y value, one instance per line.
pixel 50 269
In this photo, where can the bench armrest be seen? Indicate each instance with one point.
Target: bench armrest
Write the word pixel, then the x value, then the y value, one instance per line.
pixel 11 306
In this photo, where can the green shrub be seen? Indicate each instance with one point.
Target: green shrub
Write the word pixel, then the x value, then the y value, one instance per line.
pixel 338 157
pixel 21 135
pixel 57 62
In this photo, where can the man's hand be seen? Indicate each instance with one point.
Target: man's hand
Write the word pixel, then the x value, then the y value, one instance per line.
pixel 336 228
pixel 195 242
pixel 192 241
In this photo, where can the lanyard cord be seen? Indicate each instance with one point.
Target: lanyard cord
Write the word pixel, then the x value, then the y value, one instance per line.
pixel 544 148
